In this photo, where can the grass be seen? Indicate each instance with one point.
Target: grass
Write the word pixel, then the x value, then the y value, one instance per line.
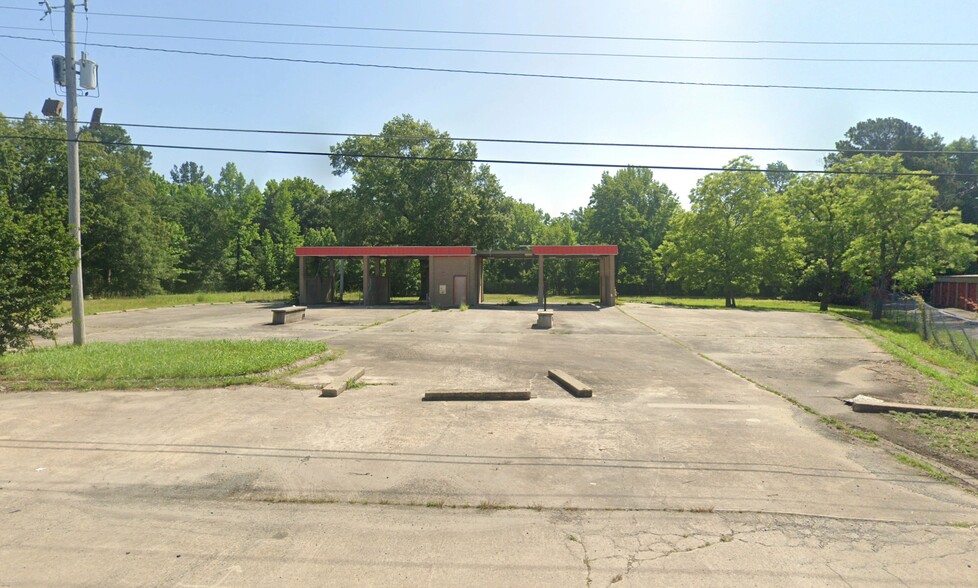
pixel 742 303
pixel 957 435
pixel 519 299
pixel 922 466
pixel 97 305
pixel 153 363
pixel 954 375
pixel 355 384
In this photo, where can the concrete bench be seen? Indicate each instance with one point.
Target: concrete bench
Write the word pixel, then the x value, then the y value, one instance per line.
pixel 288 314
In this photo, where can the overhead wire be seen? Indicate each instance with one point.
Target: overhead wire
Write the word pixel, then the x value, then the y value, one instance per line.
pixel 549 142
pixel 519 74
pixel 514 51
pixel 521 34
pixel 480 160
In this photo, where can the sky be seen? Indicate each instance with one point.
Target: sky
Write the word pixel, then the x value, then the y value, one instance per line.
pixel 144 87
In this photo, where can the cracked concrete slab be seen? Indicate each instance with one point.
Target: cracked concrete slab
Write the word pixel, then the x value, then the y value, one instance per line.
pixel 677 472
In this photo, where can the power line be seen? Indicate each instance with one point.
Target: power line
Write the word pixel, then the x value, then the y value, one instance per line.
pixel 518 52
pixel 523 35
pixel 480 160
pixel 517 74
pixel 524 141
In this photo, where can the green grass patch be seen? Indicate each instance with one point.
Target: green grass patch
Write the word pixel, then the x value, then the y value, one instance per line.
pixel 954 375
pixel 922 466
pixel 153 363
pixel 519 299
pixel 97 305
pixel 958 435
pixel 835 423
pixel 742 303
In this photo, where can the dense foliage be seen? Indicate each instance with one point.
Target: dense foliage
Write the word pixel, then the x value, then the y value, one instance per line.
pixel 863 229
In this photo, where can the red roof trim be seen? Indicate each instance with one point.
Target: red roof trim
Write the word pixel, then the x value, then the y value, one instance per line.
pixel 384 251
pixel 575 250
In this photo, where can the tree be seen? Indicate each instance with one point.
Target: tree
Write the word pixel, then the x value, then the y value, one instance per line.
pixel 239 202
pixel 962 188
pixel 733 239
pixel 819 208
pixel 779 176
pixel 414 185
pixel 632 210
pixel 129 247
pixel 889 137
pixel 37 255
pixel 280 235
pixel 562 275
pixel 901 238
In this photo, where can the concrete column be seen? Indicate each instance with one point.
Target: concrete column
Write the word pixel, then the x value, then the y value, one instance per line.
pixel 366 280
pixel 602 282
pixel 331 292
pixel 480 275
pixel 431 281
pixel 540 284
pixel 303 297
pixel 606 280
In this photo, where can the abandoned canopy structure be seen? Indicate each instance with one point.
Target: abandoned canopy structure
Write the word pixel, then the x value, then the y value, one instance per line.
pixel 454 273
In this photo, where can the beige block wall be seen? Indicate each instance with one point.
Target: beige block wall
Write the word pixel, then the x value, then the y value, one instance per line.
pixel 441 280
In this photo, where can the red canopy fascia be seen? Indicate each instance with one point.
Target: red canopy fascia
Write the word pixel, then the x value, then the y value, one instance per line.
pixel 384 251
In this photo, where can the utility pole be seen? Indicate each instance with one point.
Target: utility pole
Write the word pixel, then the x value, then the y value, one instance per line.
pixel 74 184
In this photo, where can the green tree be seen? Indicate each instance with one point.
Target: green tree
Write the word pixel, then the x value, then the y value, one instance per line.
pixel 779 176
pixel 414 185
pixel 632 210
pixel 733 239
pixel 962 189
pixel 315 207
pixel 820 215
pixel 901 238
pixel 203 263
pixel 889 137
pixel 563 276
pixel 280 235
pixel 239 202
pixel 34 264
pixel 128 246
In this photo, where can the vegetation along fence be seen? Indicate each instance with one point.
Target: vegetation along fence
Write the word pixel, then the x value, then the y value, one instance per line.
pixel 942 327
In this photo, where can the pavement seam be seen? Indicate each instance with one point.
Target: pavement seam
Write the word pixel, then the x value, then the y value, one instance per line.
pixel 959 478
pixel 441 505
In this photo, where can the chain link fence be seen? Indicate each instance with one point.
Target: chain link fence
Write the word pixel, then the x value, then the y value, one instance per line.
pixel 947 329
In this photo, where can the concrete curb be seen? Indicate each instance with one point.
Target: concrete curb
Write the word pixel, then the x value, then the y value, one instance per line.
pixel 570 383
pixel 339 385
pixel 869 404
pixel 477 395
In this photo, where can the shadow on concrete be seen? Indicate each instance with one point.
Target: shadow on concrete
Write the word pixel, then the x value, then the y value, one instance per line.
pixel 536 307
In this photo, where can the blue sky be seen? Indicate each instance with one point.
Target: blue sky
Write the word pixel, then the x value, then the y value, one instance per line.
pixel 157 88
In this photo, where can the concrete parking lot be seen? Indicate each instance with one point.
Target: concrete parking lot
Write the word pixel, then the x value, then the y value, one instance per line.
pixel 678 471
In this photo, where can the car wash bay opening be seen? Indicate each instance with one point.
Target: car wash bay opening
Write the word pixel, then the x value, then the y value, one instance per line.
pixel 454 273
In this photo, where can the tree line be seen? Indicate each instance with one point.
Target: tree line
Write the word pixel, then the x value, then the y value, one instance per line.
pixel 898 207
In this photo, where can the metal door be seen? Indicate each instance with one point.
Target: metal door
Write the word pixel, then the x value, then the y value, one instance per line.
pixel 459 289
